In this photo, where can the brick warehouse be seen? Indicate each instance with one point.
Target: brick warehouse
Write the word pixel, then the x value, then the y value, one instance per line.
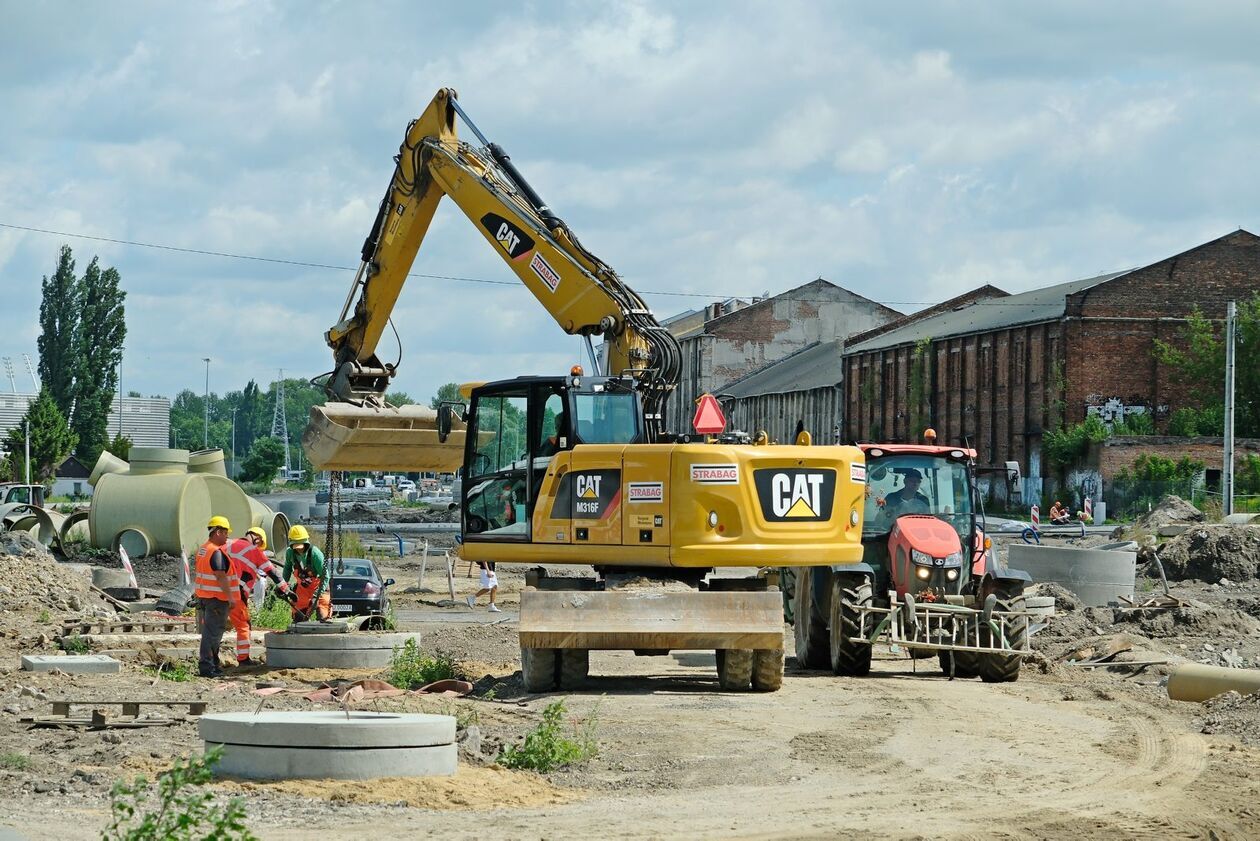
pixel 999 372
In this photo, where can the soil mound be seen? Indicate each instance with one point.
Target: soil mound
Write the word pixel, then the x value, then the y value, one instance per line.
pixel 31 579
pixel 1210 553
pixel 1171 510
pixel 1234 715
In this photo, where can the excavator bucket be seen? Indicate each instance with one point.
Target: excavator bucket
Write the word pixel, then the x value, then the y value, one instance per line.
pixel 342 436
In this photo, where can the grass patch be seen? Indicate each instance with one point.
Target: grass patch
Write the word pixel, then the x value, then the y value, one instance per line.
pixel 75 645
pixel 275 613
pixel 555 743
pixel 45 617
pixel 14 761
pixel 410 668
pixel 178 671
pixel 179 808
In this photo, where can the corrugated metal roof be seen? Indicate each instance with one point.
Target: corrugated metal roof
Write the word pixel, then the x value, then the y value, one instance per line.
pixel 814 366
pixel 1046 304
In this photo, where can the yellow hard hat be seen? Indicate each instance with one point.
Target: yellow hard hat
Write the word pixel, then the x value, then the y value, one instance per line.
pixel 262 535
pixel 298 534
pixel 217 522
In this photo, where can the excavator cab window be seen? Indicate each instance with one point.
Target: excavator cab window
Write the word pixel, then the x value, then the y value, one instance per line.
pixel 608 417
pixel 496 476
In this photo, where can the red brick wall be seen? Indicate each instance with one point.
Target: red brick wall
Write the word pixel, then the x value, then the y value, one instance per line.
pixel 1115 454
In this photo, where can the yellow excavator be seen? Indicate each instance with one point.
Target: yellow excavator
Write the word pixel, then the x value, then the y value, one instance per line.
pixel 578 469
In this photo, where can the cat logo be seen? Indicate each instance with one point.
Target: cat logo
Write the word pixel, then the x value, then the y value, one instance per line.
pixel 588 485
pixel 515 242
pixel 796 494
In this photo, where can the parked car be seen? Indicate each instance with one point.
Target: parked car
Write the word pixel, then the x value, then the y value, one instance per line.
pixel 405 486
pixel 359 589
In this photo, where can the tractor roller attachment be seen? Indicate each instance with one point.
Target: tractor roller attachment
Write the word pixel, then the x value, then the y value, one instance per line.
pixel 343 436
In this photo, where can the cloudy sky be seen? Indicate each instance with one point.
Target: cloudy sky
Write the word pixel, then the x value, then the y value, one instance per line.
pixel 906 151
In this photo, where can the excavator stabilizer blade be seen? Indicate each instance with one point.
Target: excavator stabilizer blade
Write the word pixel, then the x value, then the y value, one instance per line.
pixel 342 436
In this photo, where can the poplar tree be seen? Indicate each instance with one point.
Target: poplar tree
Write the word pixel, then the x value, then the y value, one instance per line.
pixel 59 333
pixel 102 330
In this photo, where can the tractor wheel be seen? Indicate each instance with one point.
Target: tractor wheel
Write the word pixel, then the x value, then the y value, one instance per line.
pixel 767 669
pixel 964 663
pixel 538 669
pixel 1004 668
pixel 811 623
pixel 574 666
pixel 736 669
pixel 848 596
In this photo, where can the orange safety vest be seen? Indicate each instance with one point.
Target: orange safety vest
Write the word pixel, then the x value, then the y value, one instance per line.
pixel 207 584
pixel 250 560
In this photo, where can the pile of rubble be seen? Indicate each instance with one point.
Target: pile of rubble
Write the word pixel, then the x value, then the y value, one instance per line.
pixel 31 579
pixel 360 513
pixel 1210 553
pixel 1234 715
pixel 1171 510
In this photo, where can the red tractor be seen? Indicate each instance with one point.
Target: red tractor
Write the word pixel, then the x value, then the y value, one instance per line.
pixel 928 580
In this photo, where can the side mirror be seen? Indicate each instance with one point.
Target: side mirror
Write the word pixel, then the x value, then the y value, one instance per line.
pixel 444 417
pixel 388 582
pixel 879 473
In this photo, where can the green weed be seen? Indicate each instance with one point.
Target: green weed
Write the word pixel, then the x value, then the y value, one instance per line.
pixel 75 645
pixel 274 614
pixel 14 761
pixel 45 617
pixel 177 670
pixel 179 809
pixel 410 668
pixel 552 745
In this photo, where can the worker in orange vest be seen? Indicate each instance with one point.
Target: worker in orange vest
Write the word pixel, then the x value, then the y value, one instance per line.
pixel 217 589
pixel 248 555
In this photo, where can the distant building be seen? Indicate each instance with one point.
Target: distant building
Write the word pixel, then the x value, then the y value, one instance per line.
pixel 145 420
pixel 725 346
pixel 71 479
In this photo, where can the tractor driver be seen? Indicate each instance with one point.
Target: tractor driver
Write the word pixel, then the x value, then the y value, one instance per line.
pixel 907 500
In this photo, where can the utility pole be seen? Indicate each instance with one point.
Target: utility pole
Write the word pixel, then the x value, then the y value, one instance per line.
pixel 28 452
pixel 30 369
pixel 8 370
pixel 1227 475
pixel 232 475
pixel 280 423
pixel 120 392
pixel 206 443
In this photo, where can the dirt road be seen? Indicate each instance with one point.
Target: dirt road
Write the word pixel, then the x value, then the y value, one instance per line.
pixel 896 755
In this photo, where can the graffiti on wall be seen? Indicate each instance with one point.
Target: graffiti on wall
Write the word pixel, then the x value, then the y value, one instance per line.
pixel 1112 410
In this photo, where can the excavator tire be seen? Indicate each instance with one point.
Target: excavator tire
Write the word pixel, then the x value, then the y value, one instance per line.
pixel 574 666
pixel 767 669
pixel 736 669
pixel 538 669
pixel 810 626
pixel 964 663
pixel 1004 668
pixel 848 595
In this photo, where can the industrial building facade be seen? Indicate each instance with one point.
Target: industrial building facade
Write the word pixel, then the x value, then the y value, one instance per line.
pixel 1002 371
pixel 145 420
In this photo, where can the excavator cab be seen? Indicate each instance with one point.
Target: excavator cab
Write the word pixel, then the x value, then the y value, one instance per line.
pixel 518 427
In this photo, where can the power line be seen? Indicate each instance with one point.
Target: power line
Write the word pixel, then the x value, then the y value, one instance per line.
pixel 460 278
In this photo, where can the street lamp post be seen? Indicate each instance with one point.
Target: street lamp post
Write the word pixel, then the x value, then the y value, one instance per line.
pixel 233 474
pixel 120 392
pixel 206 442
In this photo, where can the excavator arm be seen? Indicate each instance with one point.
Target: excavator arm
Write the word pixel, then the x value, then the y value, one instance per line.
pixel 582 293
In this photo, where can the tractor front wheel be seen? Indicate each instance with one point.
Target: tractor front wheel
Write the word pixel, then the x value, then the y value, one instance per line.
pixel 538 669
pixel 849 595
pixel 810 625
pixel 1004 668
pixel 964 663
pixel 735 669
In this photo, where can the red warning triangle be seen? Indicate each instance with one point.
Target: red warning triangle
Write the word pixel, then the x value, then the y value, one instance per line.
pixel 709 419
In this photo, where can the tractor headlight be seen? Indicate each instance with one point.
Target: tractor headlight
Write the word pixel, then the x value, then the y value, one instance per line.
pixel 919 557
pixel 924 573
pixel 954 560
pixel 951 574
pixel 712 519
pixel 853 517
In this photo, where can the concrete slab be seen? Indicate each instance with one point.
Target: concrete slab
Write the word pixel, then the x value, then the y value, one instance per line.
pixel 71 663
pixel 336 626
pixel 359 745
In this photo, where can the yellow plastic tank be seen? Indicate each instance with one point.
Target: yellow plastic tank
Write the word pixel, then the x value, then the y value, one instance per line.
pixel 207 461
pixel 152 461
pixel 107 463
pixel 170 511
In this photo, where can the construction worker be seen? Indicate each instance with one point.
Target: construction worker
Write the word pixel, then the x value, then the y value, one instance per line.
pixel 217 589
pixel 307 563
pixel 248 554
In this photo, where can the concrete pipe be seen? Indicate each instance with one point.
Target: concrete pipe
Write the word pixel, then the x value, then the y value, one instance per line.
pixel 75 527
pixel 11 512
pixel 107 463
pixel 1097 576
pixel 293 509
pixel 1241 519
pixel 1197 682
pixel 153 461
pixel 41 523
pixel 171 509
pixel 333 651
pixel 278 536
pixel 356 745
pixel 207 461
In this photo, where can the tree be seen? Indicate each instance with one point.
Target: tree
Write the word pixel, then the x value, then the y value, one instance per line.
pixel 1198 358
pixel 51 440
pixel 59 333
pixel 448 393
pixel 102 329
pixel 399 398
pixel 121 447
pixel 263 461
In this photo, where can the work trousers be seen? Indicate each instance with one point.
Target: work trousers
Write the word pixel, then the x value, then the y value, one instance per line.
pixel 212 617
pixel 239 614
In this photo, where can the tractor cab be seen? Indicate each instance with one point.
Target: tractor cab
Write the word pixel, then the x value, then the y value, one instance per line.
pixel 920 531
pixel 517 427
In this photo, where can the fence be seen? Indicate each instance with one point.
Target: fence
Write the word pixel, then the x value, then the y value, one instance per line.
pixel 1126 500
